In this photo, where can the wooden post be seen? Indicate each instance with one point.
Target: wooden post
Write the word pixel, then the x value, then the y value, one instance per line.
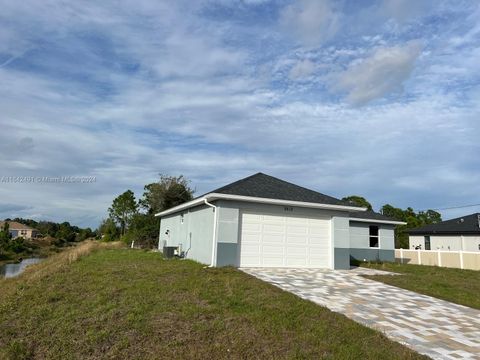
pixel 439 258
pixel 461 259
pixel 419 257
pixel 401 255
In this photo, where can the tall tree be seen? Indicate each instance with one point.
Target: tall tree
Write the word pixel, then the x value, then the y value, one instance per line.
pixel 123 208
pixel 108 230
pixel 411 218
pixel 143 230
pixel 168 192
pixel 359 201
pixel 430 217
pixel 5 235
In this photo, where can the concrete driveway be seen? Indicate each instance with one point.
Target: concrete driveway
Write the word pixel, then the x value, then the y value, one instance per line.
pixel 437 328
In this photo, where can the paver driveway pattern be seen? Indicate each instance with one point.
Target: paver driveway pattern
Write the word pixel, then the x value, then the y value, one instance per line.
pixel 430 326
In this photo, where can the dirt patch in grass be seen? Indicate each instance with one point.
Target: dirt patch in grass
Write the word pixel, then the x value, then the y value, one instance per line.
pixel 455 285
pixel 120 304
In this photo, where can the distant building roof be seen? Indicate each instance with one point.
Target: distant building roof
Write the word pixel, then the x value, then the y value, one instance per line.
pixel 15 225
pixel 469 224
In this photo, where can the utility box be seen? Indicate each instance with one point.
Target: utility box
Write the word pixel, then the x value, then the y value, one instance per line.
pixel 169 251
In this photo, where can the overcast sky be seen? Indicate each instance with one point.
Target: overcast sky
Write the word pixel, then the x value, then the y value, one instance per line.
pixel 380 99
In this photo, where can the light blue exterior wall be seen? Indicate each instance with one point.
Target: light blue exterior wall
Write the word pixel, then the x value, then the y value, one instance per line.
pixel 228 233
pixel 194 235
pixel 360 242
pixel 350 239
pixel 341 241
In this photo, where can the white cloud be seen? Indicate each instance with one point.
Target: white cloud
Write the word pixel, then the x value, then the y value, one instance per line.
pixel 311 21
pixel 302 69
pixel 378 75
pixel 404 10
pixel 195 106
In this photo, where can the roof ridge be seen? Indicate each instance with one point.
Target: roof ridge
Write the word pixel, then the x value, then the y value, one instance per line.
pixel 272 181
pixel 235 183
pixel 288 182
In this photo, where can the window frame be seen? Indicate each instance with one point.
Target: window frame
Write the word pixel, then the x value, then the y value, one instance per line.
pixel 429 247
pixel 371 236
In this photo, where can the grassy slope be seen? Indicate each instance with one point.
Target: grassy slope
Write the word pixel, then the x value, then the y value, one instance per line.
pixel 455 285
pixel 134 304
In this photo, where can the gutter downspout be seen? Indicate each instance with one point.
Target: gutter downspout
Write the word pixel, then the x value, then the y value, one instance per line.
pixel 214 242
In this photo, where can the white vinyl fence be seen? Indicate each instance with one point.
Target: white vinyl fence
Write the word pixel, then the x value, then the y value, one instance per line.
pixel 453 259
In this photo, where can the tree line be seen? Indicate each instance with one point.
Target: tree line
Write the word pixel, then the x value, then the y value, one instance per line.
pixel 133 220
pixel 59 234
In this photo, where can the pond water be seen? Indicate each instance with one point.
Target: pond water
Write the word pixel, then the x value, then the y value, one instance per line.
pixel 12 270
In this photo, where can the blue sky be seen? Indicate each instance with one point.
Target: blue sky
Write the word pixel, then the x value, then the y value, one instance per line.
pixel 375 98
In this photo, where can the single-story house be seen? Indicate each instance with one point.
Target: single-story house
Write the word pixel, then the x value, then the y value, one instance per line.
pixel 17 229
pixel 262 221
pixel 460 234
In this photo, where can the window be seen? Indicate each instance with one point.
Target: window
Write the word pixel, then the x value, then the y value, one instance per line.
pixel 373 232
pixel 427 242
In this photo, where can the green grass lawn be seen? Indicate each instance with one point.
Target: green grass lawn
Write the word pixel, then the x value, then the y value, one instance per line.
pixel 133 304
pixel 455 285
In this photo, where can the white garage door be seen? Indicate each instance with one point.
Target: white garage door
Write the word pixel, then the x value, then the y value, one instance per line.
pixel 269 240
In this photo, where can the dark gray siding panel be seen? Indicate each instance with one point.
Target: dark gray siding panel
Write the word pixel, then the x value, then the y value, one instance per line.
pixel 227 254
pixel 341 259
pixel 373 254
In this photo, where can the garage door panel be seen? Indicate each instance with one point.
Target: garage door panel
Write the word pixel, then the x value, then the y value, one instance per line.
pixel 252 227
pixel 297 221
pixel 295 251
pixel 272 261
pixel 272 250
pixel 252 261
pixel 317 251
pixel 272 219
pixel 249 217
pixel 273 228
pixel 299 240
pixel 251 238
pixel 284 240
pixel 296 262
pixel 251 249
pixel 318 261
pixel 319 230
pixel 297 229
pixel 318 240
pixel 273 238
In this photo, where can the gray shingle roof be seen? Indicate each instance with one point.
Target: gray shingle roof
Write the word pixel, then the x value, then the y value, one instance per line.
pixel 266 186
pixel 468 224
pixel 370 215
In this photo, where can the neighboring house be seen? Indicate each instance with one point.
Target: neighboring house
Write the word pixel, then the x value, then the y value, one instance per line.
pixel 460 234
pixel 262 221
pixel 20 230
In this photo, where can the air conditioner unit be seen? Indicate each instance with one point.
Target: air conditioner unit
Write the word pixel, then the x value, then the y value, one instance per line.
pixel 169 251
